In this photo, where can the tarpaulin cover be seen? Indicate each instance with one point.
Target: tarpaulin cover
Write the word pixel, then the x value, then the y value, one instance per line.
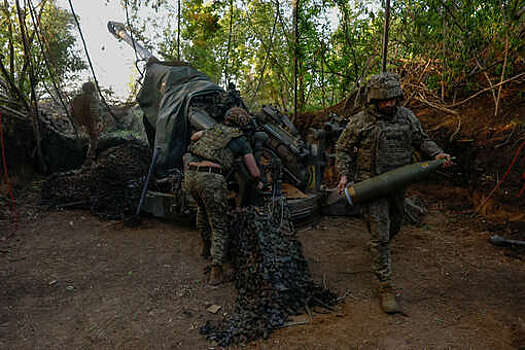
pixel 165 98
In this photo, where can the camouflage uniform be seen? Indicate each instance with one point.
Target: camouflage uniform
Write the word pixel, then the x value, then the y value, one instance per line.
pixel 209 189
pixel 86 110
pixel 372 144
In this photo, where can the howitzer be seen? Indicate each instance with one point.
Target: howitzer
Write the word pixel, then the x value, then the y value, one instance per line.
pixel 119 31
pixel 177 100
pixel 390 181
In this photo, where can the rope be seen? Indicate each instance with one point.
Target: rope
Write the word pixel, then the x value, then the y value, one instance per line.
pixel 89 60
pixel 9 188
pixel 518 151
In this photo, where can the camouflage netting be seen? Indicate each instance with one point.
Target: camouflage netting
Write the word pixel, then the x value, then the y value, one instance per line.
pixel 272 280
pixel 111 188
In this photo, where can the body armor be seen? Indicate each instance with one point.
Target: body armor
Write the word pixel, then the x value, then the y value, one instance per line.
pixel 383 143
pixel 212 145
pixel 394 143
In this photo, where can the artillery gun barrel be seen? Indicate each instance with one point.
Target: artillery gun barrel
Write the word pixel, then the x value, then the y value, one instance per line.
pixel 200 120
pixel 390 181
pixel 119 31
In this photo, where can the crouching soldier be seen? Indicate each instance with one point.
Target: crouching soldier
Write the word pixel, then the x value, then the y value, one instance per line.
pixel 381 138
pixel 211 156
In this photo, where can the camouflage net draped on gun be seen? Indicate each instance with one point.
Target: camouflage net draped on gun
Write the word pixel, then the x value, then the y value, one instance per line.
pixel 110 189
pixel 272 280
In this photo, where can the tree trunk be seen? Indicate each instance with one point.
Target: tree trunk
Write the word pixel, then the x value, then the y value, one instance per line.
pixel 295 4
pixel 385 35
pixel 34 108
pixel 178 30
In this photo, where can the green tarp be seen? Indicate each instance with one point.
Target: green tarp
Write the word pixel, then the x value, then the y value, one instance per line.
pixel 165 98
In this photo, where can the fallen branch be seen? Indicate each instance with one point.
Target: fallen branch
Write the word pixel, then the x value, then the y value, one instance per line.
pixel 417 82
pixel 488 79
pixel 496 109
pixel 486 89
pixel 15 113
pixel 507 139
pixel 451 138
pixel 435 106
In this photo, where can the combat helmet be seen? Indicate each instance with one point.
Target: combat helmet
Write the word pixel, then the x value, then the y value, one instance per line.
pixel 237 116
pixel 383 86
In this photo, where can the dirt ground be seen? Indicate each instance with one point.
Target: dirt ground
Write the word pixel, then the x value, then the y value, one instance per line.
pixel 69 280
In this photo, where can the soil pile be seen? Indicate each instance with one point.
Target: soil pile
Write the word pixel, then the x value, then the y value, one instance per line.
pixel 272 279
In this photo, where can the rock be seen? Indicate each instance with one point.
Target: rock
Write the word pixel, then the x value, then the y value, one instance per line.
pixel 214 308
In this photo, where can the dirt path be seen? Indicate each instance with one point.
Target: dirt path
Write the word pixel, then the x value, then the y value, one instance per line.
pixel 68 280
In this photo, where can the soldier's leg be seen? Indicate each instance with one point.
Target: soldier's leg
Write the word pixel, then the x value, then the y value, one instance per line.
pixel 92 149
pixel 376 215
pixel 215 199
pixel 204 228
pixel 397 212
pixel 191 184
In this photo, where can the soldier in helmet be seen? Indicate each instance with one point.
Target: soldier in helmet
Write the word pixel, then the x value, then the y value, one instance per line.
pixel 380 138
pixel 87 112
pixel 211 156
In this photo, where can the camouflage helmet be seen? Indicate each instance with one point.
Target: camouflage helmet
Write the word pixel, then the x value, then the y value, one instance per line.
pixel 384 86
pixel 88 88
pixel 237 116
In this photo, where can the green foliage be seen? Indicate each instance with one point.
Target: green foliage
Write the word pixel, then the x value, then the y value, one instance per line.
pixel 54 44
pixel 340 42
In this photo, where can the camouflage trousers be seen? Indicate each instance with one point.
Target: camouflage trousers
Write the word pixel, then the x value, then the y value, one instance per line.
pixel 384 218
pixel 92 148
pixel 210 193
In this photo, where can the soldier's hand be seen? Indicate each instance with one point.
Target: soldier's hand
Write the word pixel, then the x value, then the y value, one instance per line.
pixel 448 162
pixel 342 184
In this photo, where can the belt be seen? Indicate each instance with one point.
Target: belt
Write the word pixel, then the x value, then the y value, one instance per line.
pixel 206 169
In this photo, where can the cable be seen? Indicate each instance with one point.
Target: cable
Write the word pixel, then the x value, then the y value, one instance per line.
pixel 9 188
pixel 518 151
pixel 89 60
pixel 133 41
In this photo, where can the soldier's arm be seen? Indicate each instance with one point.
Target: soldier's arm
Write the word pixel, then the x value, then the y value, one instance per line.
pixel 424 143
pixel 196 136
pixel 344 150
pixel 420 139
pixel 345 154
pixel 241 147
pixel 249 161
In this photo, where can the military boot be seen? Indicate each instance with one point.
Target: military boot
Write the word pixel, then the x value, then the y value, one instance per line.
pixel 215 275
pixel 206 246
pixel 387 299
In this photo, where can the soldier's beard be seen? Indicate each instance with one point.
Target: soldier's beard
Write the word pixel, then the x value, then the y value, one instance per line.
pixel 387 111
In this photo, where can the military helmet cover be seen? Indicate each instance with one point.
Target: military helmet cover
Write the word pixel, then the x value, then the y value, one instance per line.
pixel 384 86
pixel 237 116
